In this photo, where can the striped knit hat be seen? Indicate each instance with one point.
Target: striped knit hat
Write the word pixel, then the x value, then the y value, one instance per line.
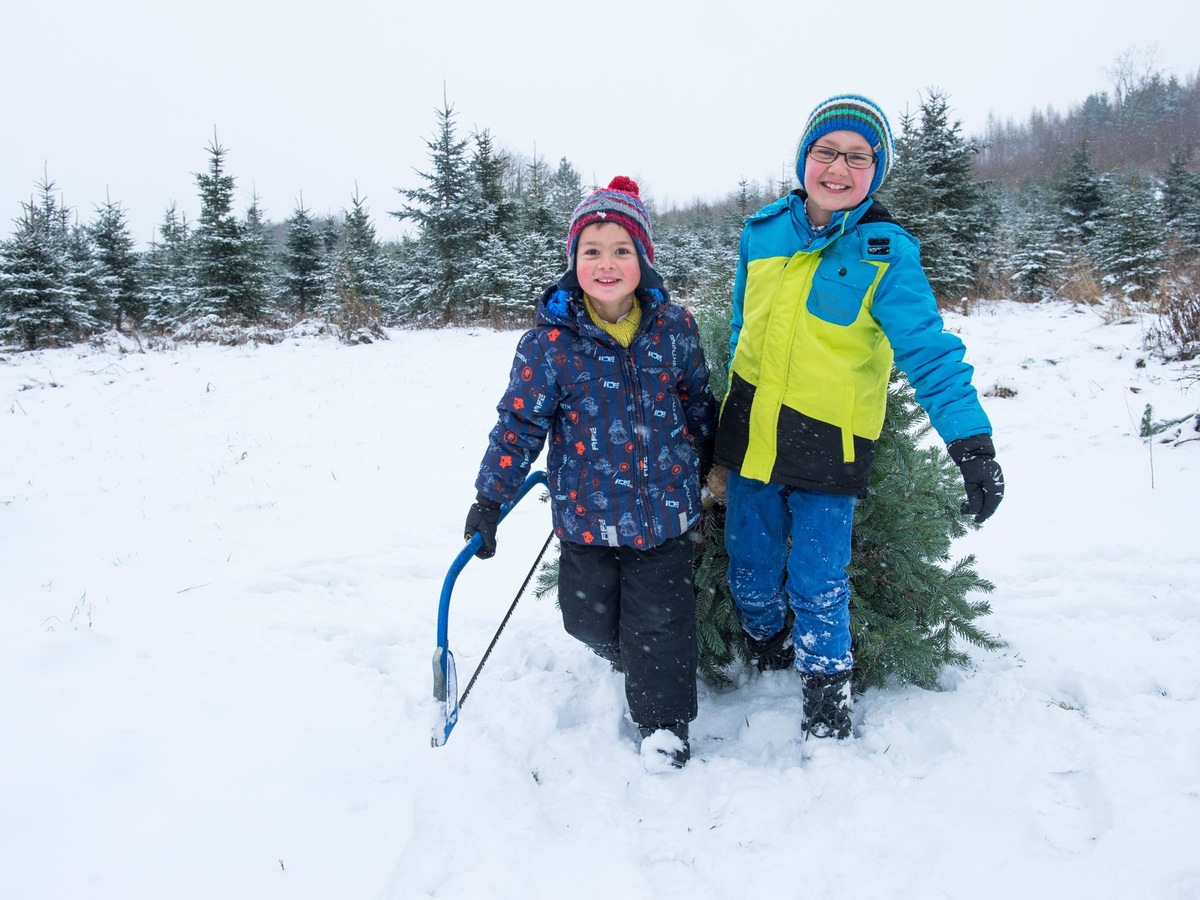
pixel 850 112
pixel 620 203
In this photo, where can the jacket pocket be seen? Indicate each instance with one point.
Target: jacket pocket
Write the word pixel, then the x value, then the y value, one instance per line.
pixel 838 290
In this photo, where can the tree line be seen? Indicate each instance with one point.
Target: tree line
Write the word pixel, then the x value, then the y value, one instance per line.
pixel 488 234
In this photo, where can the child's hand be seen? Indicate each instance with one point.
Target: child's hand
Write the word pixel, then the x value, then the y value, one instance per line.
pixel 982 477
pixel 483 517
pixel 718 478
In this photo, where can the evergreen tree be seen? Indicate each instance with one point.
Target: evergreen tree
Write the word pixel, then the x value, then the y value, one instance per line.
pixel 445 212
pixel 1181 205
pixel 417 302
pixel 357 272
pixel 540 248
pixel 566 192
pixel 745 202
pixel 501 281
pixel 84 274
pixel 303 263
pixel 120 282
pixel 1034 255
pixel 910 608
pixel 496 212
pixel 1081 200
pixel 682 255
pixel 40 300
pixel 934 196
pixel 1131 250
pixel 225 286
pixel 493 281
pixel 261 281
pixel 166 273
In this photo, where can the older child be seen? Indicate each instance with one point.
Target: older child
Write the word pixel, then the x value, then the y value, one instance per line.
pixel 614 375
pixel 829 290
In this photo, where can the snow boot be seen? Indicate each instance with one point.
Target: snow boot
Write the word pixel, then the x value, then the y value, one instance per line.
pixel 610 652
pixel 827 705
pixel 670 741
pixel 775 653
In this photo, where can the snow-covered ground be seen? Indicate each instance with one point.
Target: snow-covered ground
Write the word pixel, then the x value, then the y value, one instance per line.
pixel 219 579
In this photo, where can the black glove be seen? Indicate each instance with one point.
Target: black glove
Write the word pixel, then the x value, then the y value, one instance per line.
pixel 483 518
pixel 976 459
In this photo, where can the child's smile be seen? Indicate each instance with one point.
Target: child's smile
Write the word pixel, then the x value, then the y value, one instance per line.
pixel 606 263
pixel 835 186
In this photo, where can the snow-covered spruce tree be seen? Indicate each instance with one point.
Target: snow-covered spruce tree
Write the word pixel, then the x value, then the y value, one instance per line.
pixel 489 167
pixel 566 192
pixel 445 211
pixel 932 193
pixel 84 276
pixel 539 243
pixel 911 608
pixel 225 286
pixel 682 256
pixel 494 282
pixel 119 272
pixel 1080 195
pixel 41 300
pixel 303 263
pixel 166 273
pixel 1181 207
pixel 697 248
pixel 1130 251
pixel 358 284
pixel 1034 257
pixel 262 278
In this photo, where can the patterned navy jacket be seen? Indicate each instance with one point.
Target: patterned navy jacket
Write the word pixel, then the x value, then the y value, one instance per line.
pixel 630 428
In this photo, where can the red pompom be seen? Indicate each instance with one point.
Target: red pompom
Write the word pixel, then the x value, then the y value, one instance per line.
pixel 621 183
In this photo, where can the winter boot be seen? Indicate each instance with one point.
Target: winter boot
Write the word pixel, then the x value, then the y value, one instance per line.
pixel 610 652
pixel 671 741
pixel 827 705
pixel 775 653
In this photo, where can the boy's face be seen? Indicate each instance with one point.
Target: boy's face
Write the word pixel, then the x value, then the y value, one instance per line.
pixel 835 186
pixel 606 263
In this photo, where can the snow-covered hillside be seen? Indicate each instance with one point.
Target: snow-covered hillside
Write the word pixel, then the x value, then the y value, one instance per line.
pixel 219 578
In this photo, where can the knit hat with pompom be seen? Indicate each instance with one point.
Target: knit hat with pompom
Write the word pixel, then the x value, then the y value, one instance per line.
pixel 620 203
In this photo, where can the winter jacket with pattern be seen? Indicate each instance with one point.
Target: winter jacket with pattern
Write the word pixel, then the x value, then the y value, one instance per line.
pixel 817 319
pixel 629 428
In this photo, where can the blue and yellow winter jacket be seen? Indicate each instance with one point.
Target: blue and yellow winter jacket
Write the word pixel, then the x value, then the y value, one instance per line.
pixel 629 428
pixel 817 319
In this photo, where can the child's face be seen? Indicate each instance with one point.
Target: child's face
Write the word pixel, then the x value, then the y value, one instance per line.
pixel 835 186
pixel 606 263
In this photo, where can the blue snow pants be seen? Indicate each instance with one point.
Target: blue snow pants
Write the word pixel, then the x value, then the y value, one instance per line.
pixel 789 546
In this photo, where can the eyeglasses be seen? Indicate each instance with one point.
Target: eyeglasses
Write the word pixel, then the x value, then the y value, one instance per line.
pixel 827 155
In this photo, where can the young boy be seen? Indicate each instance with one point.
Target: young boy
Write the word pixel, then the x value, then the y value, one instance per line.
pixel 829 289
pixel 613 374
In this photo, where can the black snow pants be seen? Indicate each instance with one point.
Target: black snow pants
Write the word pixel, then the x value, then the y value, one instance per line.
pixel 637 609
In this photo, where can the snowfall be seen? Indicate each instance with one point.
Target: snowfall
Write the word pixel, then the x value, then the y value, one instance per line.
pixel 219 587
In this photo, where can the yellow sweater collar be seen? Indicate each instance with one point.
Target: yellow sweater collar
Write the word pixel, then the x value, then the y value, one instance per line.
pixel 625 329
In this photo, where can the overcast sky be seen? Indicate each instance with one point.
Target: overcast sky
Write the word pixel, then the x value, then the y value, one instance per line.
pixel 121 98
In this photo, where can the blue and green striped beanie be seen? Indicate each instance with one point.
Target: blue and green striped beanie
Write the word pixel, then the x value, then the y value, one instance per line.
pixel 850 112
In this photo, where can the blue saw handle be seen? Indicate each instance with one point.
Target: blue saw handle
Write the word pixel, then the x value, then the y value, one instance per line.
pixel 445 678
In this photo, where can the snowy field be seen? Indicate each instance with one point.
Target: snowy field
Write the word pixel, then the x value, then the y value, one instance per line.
pixel 219 580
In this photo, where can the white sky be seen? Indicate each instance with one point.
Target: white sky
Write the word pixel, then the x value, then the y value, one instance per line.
pixel 122 98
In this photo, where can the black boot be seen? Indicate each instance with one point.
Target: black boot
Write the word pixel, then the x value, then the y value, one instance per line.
pixel 677 756
pixel 827 705
pixel 775 653
pixel 611 652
